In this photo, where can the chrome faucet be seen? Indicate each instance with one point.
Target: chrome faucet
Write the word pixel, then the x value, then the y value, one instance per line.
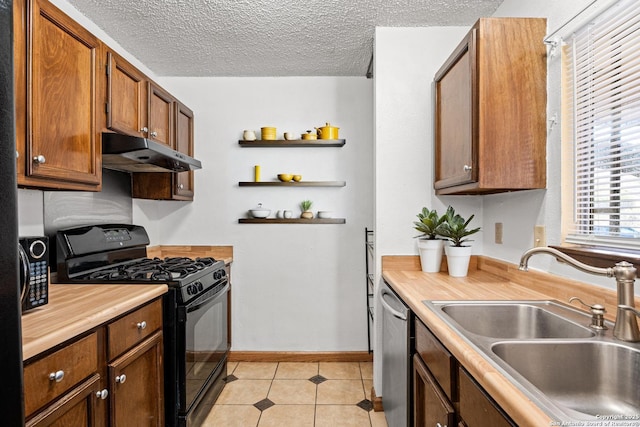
pixel 626 327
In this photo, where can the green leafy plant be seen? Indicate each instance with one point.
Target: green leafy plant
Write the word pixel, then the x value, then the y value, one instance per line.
pixel 429 223
pixel 305 205
pixel 455 228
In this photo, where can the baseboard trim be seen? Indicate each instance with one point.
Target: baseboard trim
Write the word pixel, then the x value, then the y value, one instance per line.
pixel 376 400
pixel 300 356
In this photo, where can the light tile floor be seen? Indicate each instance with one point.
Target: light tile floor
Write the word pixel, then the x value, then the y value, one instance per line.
pixel 296 394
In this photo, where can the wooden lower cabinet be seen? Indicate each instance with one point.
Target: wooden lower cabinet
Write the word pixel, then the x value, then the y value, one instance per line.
pixel 444 393
pixel 137 382
pixel 76 408
pixel 430 405
pixel 476 407
pixel 81 384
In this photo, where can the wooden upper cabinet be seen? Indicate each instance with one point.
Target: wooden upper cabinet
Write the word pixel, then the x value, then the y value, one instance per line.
pixel 161 115
pixel 183 187
pixel 170 185
pixel 127 102
pixel 490 112
pixel 56 126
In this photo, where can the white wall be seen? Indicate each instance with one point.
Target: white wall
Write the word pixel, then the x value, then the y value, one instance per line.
pixel 406 59
pixel 295 287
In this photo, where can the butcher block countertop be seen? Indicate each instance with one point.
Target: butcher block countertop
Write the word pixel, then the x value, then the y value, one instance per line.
pixel 75 309
pixel 488 279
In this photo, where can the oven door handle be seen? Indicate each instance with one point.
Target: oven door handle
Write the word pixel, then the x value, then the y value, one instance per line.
pixel 206 299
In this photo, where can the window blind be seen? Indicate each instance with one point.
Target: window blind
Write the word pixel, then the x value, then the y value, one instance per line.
pixel 602 72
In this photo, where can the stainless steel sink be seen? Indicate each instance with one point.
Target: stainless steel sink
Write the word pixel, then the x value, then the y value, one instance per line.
pixel 515 320
pixel 595 378
pixel 547 350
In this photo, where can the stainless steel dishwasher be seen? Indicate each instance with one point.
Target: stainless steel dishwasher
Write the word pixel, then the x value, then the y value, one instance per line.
pixel 396 357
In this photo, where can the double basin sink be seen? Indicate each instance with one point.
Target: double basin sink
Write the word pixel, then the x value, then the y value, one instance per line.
pixel 546 348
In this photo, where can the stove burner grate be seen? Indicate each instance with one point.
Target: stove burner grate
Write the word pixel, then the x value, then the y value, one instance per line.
pixel 153 269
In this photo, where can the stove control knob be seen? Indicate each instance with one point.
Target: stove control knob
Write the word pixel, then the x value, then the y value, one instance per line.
pixel 190 290
pixel 200 286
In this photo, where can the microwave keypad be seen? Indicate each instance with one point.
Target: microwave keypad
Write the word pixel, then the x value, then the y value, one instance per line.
pixel 38 283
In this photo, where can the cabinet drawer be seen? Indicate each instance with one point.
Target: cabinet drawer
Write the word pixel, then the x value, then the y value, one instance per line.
pixel 439 361
pixel 129 330
pixel 476 408
pixel 73 364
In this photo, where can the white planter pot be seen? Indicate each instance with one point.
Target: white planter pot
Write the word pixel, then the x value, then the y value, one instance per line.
pixel 430 254
pixel 458 260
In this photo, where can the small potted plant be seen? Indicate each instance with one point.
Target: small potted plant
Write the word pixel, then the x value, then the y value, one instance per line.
pixel 305 206
pixel 455 228
pixel 429 245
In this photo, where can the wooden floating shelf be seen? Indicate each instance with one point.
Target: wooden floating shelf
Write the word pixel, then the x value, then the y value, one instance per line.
pixel 293 143
pixel 293 184
pixel 292 221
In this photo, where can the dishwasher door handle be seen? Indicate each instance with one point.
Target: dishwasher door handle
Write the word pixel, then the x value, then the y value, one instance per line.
pixel 386 306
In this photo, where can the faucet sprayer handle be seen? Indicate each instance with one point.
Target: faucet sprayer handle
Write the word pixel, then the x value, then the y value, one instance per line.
pixel 629 308
pixel 597 313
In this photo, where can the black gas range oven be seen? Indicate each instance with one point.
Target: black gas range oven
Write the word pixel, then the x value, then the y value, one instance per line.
pixel 196 341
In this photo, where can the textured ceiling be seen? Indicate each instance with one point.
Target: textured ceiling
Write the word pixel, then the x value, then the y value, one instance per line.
pixel 266 37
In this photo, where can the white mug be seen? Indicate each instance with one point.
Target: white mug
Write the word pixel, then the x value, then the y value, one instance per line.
pixel 279 214
pixel 288 214
pixel 249 135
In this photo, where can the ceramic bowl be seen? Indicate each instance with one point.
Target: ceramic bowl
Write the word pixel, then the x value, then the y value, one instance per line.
pixel 285 177
pixel 260 212
pixel 325 214
pixel 297 178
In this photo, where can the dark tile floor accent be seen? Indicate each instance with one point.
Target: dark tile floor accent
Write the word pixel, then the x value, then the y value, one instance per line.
pixel 263 404
pixel 230 378
pixel 318 379
pixel 365 404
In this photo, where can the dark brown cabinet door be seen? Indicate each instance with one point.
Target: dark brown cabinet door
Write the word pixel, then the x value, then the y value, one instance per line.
pixel 183 186
pixel 136 384
pixel 60 149
pixel 455 119
pixel 476 408
pixel 76 408
pixel 127 100
pixel 430 405
pixel 161 115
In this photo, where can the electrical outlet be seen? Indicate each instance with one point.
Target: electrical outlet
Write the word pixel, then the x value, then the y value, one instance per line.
pixel 498 228
pixel 539 238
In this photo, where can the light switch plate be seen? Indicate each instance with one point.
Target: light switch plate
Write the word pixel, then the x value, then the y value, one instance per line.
pixel 539 236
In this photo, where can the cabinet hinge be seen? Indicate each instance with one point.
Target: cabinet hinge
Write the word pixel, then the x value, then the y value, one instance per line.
pixel 106 107
pixel 107 69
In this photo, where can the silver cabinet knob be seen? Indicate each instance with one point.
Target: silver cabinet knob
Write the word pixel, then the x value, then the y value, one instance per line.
pixel 17 154
pixel 102 394
pixel 467 168
pixel 154 134
pixel 180 186
pixel 144 129
pixel 56 376
pixel 141 325
pixel 121 378
pixel 39 159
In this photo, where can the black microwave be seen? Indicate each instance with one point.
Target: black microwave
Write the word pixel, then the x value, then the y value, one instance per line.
pixel 34 271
